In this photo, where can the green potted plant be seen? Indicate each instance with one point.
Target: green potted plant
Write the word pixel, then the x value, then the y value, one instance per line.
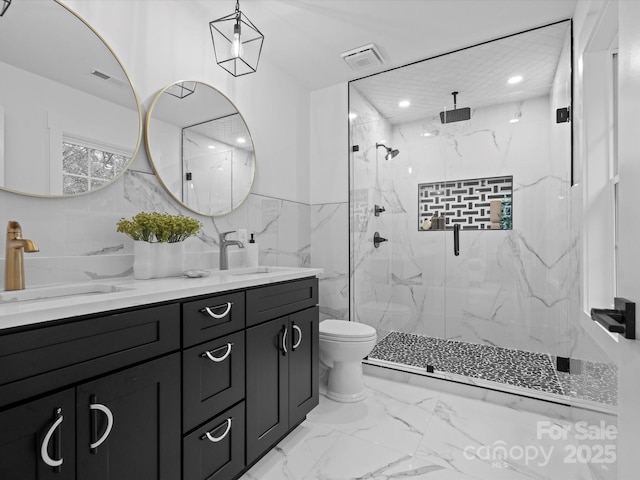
pixel 158 242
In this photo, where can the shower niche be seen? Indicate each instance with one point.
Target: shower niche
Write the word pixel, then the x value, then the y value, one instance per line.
pixel 474 204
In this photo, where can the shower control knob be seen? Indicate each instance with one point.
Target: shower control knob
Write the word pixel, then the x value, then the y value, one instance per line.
pixel 377 239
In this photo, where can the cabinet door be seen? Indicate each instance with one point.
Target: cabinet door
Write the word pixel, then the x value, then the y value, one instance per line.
pixel 267 385
pixel 132 421
pixel 37 439
pixel 303 364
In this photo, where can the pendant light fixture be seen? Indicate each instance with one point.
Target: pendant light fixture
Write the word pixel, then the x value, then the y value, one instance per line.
pixel 182 89
pixel 4 6
pixel 237 43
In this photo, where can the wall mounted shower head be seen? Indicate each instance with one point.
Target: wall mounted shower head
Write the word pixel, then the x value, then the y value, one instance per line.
pixel 391 153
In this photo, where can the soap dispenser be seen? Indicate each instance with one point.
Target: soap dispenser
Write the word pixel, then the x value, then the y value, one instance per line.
pixel 252 252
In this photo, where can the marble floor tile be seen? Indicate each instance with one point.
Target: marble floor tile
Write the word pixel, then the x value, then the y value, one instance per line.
pixel 500 442
pixel 351 458
pixel 404 431
pixel 295 455
pixel 394 414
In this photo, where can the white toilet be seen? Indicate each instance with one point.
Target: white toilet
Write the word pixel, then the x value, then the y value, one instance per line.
pixel 343 345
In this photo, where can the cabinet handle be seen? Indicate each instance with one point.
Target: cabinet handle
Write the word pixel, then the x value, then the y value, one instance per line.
pixel 44 449
pixel 218 359
pixel 107 431
pixel 213 439
pixel 297 344
pixel 284 341
pixel 209 310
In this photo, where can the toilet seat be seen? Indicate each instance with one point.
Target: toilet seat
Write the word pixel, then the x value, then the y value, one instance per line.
pixel 345 331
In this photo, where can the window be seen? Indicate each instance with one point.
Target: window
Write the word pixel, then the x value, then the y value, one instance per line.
pixel 87 166
pixel 614 169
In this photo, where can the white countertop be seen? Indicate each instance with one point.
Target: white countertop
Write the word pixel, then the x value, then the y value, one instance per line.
pixel 129 292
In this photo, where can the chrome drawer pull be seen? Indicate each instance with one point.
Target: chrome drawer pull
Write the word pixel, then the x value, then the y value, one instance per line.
pixel 297 329
pixel 218 359
pixel 47 438
pixel 213 439
pixel 107 431
pixel 284 342
pixel 209 310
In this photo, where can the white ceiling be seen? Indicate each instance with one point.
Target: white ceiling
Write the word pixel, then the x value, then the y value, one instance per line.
pixel 30 40
pixel 306 37
pixel 478 74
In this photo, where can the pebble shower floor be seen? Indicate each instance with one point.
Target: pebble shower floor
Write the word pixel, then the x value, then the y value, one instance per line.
pixel 594 382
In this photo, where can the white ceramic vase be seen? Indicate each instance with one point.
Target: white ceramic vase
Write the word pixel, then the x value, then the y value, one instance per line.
pixel 158 260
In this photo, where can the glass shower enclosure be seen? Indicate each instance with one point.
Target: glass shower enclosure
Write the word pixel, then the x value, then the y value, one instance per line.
pixel 462 255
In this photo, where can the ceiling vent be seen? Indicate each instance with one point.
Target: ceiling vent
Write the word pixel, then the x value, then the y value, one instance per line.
pixel 107 77
pixel 363 58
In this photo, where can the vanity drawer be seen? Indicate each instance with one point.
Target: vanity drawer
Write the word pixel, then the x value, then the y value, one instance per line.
pixel 213 378
pixel 48 357
pixel 274 301
pixel 212 317
pixel 222 456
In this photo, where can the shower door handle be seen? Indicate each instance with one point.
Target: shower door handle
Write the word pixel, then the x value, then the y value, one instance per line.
pixel 456 239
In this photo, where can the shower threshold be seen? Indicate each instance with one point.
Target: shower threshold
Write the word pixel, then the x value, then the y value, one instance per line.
pixel 515 371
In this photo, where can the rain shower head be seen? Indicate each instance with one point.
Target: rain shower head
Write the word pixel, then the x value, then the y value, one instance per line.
pixel 391 153
pixel 455 115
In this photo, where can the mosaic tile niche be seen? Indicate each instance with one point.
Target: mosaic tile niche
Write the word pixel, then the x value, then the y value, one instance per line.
pixel 474 204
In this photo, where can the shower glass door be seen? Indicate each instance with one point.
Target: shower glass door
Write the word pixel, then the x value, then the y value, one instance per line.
pixel 397 287
pixel 496 311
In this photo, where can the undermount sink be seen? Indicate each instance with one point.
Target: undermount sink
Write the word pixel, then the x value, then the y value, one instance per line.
pixel 242 271
pixel 234 272
pixel 251 271
pixel 58 291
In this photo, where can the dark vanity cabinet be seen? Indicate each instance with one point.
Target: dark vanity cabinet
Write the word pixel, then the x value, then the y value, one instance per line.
pixel 282 362
pixel 37 439
pixel 126 423
pixel 102 425
pixel 213 373
pixel 198 388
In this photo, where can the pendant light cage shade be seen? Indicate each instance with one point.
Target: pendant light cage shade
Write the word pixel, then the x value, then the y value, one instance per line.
pixel 237 43
pixel 4 6
pixel 182 89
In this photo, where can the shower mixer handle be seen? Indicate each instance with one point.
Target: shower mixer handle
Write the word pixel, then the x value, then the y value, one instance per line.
pixel 377 210
pixel 456 239
pixel 377 240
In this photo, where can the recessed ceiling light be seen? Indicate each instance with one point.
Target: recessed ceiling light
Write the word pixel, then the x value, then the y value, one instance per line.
pixel 241 140
pixel 426 134
pixel 514 120
pixel 353 116
pixel 515 79
pixel 212 147
pixel 404 103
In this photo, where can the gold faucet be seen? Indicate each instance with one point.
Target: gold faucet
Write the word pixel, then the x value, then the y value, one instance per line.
pixel 14 256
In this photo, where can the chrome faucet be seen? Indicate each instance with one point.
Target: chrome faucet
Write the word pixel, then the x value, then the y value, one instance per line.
pixel 224 243
pixel 14 256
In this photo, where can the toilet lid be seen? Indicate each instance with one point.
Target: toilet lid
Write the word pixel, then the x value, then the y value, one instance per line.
pixel 345 329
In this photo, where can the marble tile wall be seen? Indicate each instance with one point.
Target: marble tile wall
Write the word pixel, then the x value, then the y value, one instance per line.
pixel 69 254
pixel 507 288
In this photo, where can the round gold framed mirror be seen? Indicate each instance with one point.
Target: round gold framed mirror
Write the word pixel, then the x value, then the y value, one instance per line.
pixel 70 120
pixel 200 148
